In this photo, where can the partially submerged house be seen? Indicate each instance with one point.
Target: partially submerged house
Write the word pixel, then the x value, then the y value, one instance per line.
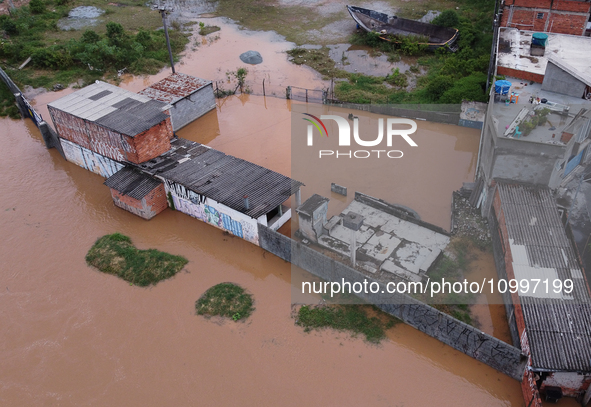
pixel 552 324
pixel 128 139
pixel 113 122
pixel 222 190
pixel 189 97
pixel 137 192
pixel 391 239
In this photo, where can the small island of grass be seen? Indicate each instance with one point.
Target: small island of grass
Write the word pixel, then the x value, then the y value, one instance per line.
pixel 357 319
pixel 225 300
pixel 116 254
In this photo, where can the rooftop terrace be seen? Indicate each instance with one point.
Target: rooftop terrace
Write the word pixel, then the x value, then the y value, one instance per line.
pixel 563 110
pixel 571 50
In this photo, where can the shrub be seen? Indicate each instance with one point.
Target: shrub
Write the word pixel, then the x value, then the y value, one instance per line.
pixel 448 18
pixel 37 6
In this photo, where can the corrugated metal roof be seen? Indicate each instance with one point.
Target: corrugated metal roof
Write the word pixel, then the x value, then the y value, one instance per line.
pixel 174 88
pixel 132 182
pixel 110 106
pixel 558 325
pixel 221 177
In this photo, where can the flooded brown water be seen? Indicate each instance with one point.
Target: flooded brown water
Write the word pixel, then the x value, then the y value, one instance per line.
pixel 72 336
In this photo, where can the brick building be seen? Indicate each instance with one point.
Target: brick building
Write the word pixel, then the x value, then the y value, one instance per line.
pixel 189 97
pixel 137 193
pixel 113 122
pixel 552 327
pixel 556 16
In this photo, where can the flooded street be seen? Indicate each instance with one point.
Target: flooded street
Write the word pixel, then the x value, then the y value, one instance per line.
pixel 73 336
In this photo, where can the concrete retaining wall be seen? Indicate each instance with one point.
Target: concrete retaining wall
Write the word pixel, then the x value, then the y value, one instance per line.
pixel 450 117
pixel 465 338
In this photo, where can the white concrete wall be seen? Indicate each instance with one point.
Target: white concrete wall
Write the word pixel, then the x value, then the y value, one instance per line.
pixel 89 160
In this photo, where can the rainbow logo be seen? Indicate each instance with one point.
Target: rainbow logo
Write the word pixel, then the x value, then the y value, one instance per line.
pixel 319 121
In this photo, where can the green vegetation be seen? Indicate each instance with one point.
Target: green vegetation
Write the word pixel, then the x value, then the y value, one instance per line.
pixel 7 103
pixel 367 320
pixel 68 56
pixel 450 77
pixel 115 254
pixel 207 29
pixel 539 118
pixel 225 300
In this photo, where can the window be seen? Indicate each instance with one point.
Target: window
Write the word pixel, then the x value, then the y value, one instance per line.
pixel 540 15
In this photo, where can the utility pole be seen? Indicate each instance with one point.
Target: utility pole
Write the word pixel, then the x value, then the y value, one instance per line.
pixel 163 12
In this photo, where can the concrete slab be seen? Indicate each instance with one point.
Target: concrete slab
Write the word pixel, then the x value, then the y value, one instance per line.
pixel 373 217
pixel 342 233
pixel 380 247
pixel 411 256
pixel 335 245
pixel 390 267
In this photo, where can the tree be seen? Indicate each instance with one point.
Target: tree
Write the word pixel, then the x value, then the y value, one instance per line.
pixel 449 18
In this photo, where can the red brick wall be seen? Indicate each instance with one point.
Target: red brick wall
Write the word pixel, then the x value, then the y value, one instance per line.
pixel 150 206
pixel 562 20
pixel 527 76
pixel 528 386
pixel 153 142
pixel 563 5
pixel 116 146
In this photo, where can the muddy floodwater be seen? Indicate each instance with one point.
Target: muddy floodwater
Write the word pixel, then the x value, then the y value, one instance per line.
pixel 72 336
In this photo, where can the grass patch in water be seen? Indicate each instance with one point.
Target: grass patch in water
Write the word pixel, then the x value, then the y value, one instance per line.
pixel 115 254
pixel 357 319
pixel 225 300
pixel 208 29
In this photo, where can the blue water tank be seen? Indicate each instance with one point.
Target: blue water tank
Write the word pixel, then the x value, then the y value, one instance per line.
pixel 502 87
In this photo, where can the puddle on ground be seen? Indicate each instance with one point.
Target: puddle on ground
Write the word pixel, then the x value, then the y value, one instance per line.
pixel 359 59
pixel 80 17
pixel 76 336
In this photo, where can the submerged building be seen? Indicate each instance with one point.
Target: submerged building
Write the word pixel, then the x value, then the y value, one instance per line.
pixel 189 97
pixel 128 138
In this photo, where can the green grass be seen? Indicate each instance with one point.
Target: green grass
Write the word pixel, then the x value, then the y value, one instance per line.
pixel 125 38
pixel 317 59
pixel 226 300
pixel 357 319
pixel 208 29
pixel 115 254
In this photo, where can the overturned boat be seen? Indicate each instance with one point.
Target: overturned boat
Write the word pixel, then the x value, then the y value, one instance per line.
pixel 390 27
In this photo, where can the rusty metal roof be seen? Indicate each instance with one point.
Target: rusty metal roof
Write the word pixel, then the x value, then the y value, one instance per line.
pixel 132 182
pixel 558 325
pixel 174 88
pixel 110 106
pixel 223 178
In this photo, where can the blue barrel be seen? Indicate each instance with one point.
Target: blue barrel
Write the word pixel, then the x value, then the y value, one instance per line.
pixel 502 87
pixel 539 39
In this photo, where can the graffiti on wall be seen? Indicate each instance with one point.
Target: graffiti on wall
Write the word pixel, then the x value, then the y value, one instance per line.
pixel 89 160
pixel 106 149
pixel 206 213
pixel 182 192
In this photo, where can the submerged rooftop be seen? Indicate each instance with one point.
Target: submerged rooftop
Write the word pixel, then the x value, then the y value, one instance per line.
pixel 174 88
pixel 558 325
pixel 110 106
pixel 390 239
pixel 223 178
